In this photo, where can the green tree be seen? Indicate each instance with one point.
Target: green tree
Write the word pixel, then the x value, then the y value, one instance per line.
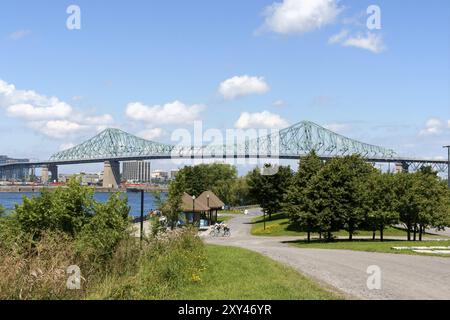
pixel 336 196
pixel 404 203
pixel 430 202
pixel 240 192
pixel 171 206
pixel 297 204
pixel 217 177
pixel 269 190
pixel 379 199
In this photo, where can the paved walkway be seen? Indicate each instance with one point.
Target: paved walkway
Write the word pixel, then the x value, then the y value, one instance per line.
pixel 402 276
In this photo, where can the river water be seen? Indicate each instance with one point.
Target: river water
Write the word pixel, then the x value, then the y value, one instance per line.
pixel 9 199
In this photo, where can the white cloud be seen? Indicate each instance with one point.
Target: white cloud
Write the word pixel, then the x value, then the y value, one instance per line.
pixel 171 113
pixel 371 41
pixel 279 103
pixel 339 37
pixel 58 129
pixel 300 16
pixel 448 123
pixel 48 115
pixel 433 126
pixel 150 133
pixel 58 110
pixel 19 34
pixel 338 127
pixel 258 120
pixel 104 119
pixel 240 86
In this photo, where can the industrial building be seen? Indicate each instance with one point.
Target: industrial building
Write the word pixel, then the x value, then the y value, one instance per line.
pixel 136 171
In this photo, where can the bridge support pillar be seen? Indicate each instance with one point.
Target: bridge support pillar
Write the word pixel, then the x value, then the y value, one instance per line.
pixel 44 174
pixel 402 167
pixel 111 174
pixel 53 172
pixel 49 169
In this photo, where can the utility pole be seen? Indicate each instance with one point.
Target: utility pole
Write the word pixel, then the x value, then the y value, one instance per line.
pixel 448 165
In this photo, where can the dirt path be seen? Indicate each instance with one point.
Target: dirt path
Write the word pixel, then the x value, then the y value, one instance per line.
pixel 402 276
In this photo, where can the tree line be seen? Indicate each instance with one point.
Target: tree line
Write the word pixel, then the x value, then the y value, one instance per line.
pixel 347 193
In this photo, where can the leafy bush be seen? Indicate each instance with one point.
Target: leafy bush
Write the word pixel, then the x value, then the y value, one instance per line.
pixel 64 209
pixel 99 237
pixel 47 234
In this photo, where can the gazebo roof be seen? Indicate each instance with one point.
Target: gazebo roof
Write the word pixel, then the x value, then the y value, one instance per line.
pixel 187 204
pixel 214 201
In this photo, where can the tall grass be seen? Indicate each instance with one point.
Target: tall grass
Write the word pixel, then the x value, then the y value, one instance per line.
pixel 155 270
pixel 47 234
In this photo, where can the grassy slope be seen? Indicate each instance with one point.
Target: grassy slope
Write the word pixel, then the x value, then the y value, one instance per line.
pixel 279 226
pixel 234 273
pixel 374 246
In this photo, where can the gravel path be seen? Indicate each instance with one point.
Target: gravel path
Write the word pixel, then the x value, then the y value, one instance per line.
pixel 402 276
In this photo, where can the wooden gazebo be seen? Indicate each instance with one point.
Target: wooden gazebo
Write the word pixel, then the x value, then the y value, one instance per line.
pixel 212 202
pixel 194 206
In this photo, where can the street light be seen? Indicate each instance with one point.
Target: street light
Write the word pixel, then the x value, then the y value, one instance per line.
pixel 193 208
pixel 210 213
pixel 448 165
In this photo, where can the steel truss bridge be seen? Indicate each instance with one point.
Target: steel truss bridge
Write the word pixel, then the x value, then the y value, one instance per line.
pixel 113 146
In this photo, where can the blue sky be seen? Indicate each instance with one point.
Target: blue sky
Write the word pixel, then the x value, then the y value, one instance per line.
pixel 150 67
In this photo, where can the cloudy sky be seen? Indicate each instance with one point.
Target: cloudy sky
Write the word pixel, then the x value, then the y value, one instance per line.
pixel 150 67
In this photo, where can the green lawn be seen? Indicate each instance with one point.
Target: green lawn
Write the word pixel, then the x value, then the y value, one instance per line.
pixel 231 211
pixel 279 226
pixel 373 246
pixel 235 273
pixel 224 218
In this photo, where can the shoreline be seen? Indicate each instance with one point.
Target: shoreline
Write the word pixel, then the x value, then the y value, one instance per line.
pixel 38 189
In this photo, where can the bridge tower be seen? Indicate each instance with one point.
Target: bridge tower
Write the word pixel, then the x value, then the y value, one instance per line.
pixel 111 174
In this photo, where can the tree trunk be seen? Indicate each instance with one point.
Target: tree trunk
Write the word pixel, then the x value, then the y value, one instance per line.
pixel 420 232
pixel 373 234
pixel 415 232
pixel 350 235
pixel 320 235
pixel 381 233
pixel 329 236
pixel 408 227
pixel 309 236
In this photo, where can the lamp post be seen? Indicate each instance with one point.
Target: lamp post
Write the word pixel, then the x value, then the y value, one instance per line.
pixel 207 200
pixel 193 209
pixel 448 165
pixel 142 215
pixel 264 211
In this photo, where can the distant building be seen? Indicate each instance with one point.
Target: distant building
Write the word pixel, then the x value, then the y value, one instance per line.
pixel 160 175
pixel 136 171
pixel 87 179
pixel 13 174
pixel 173 174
